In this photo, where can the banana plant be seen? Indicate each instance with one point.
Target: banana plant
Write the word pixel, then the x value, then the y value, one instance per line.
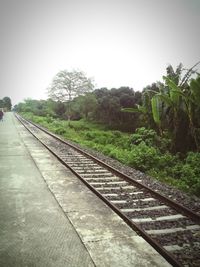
pixel 195 89
pixel 187 99
pixel 167 102
pixel 176 98
pixel 193 108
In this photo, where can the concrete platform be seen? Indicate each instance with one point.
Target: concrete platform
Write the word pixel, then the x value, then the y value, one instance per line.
pixel 50 218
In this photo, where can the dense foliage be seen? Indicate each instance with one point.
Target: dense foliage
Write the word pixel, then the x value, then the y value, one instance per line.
pixel 68 84
pixel 101 105
pixel 5 103
pixel 156 131
pixel 144 150
pixel 175 106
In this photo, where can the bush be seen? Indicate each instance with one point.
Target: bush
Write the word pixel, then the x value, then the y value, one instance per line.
pixel 193 159
pixel 117 134
pixel 60 130
pixel 168 162
pixel 78 126
pixel 49 119
pixel 190 172
pixel 143 157
pixel 150 138
pixel 90 135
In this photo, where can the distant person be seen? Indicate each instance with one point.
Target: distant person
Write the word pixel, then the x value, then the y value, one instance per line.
pixel 1 115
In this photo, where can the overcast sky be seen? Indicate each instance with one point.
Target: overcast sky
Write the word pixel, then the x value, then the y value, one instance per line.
pixel 117 42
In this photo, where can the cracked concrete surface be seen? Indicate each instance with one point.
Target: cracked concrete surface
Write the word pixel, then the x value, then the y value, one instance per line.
pixel 34 230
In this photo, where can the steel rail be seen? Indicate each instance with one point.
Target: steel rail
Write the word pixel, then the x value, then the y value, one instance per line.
pixel 167 255
pixel 177 206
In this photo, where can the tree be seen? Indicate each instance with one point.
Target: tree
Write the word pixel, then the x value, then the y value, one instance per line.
pixel 174 105
pixel 59 109
pixel 6 103
pixel 178 99
pixel 87 104
pixel 1 103
pixel 67 85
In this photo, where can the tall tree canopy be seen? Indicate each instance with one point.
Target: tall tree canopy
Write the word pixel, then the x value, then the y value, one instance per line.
pixel 67 85
pixel 6 103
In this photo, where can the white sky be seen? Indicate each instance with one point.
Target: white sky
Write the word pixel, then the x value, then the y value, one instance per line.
pixel 117 42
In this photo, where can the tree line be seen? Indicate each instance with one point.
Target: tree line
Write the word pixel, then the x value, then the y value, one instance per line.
pixel 171 107
pixel 102 105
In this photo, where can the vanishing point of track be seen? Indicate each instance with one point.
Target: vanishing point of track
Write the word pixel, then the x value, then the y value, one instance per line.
pixel 172 229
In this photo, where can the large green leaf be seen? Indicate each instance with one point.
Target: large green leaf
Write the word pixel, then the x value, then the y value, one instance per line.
pixel 174 90
pixel 155 104
pixel 170 83
pixel 130 110
pixel 166 99
pixel 139 109
pixel 195 88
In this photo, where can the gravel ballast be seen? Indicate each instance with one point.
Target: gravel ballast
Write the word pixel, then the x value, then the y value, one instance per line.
pixel 191 202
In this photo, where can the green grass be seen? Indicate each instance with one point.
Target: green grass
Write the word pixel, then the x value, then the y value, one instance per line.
pixel 143 150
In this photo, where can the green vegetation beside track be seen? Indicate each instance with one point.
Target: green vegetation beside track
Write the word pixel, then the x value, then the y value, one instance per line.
pixel 143 150
pixel 156 131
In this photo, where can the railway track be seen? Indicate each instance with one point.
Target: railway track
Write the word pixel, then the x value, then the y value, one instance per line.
pixel 172 229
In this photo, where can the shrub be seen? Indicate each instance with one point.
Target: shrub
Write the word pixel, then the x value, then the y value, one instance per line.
pixel 60 130
pixel 117 134
pixel 143 157
pixel 193 159
pixel 190 172
pixel 49 119
pixel 167 161
pixel 143 135
pixel 151 138
pixel 78 126
pixel 90 135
